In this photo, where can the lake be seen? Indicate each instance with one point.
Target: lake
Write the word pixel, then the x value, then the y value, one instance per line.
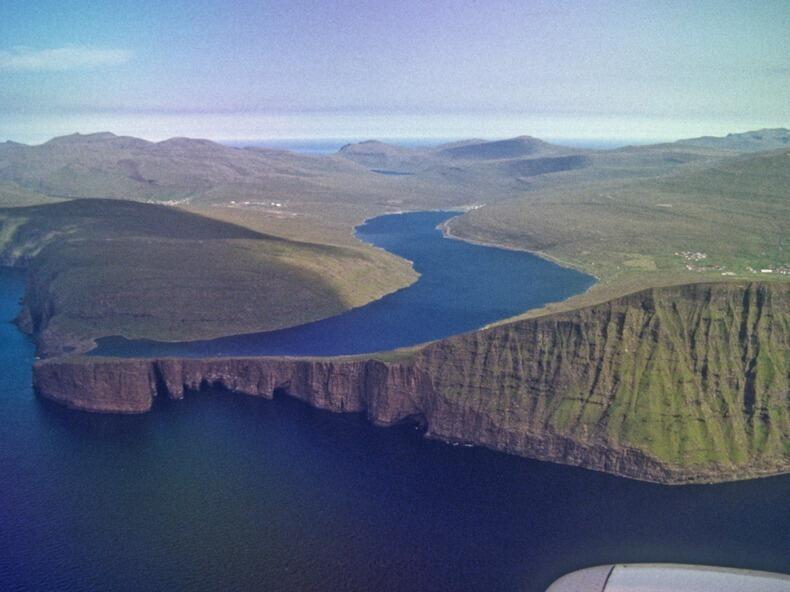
pixel 233 493
pixel 462 287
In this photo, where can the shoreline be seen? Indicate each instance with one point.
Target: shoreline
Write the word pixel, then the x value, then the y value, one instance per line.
pixel 451 213
pixel 447 233
pixel 434 384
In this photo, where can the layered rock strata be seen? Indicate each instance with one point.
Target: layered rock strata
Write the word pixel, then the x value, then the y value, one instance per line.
pixel 674 385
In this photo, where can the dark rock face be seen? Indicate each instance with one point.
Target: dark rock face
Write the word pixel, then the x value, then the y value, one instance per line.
pixel 673 385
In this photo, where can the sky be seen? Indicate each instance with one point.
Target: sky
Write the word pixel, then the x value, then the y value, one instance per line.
pixel 246 69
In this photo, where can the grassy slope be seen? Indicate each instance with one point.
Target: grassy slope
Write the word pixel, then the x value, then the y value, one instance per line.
pixel 12 194
pixel 321 198
pixel 683 402
pixel 580 207
pixel 693 376
pixel 102 267
pixel 628 233
pixel 591 214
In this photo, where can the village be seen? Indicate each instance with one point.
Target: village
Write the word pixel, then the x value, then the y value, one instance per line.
pixel 692 261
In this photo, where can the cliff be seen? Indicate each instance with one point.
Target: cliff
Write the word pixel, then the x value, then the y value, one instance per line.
pixel 673 385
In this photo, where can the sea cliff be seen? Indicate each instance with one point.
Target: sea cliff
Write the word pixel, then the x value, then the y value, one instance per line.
pixel 674 385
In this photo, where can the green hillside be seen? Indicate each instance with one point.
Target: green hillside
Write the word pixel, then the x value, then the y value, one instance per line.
pixel 722 221
pixel 113 267
pixel 670 384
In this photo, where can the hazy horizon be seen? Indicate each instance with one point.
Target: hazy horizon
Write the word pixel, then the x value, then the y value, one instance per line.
pixel 328 144
pixel 597 136
pixel 644 71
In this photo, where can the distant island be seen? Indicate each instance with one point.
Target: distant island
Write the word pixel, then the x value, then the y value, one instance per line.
pixel 672 368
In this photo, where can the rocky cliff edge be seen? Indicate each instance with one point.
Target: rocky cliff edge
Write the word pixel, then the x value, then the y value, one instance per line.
pixel 673 385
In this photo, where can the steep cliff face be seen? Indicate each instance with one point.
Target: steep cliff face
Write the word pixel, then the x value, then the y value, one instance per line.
pixel 690 380
pixel 674 385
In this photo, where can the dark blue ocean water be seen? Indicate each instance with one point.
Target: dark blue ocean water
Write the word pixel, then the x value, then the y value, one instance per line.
pixel 462 287
pixel 225 492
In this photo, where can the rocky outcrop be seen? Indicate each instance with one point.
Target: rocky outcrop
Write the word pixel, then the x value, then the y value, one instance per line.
pixel 673 385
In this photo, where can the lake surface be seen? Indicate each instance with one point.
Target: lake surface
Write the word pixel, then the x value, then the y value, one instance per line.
pixel 462 287
pixel 232 493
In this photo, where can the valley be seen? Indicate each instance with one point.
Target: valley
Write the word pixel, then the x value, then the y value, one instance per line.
pixel 267 238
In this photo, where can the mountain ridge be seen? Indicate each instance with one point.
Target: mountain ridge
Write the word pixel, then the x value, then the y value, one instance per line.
pixel 749 141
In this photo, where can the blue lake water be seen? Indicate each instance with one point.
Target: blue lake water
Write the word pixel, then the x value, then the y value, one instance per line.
pixel 462 287
pixel 233 493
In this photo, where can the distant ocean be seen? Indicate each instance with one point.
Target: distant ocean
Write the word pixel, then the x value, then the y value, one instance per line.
pixel 332 145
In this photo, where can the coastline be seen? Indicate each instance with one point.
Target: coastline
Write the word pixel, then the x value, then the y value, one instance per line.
pixel 447 233
pixel 564 361
pixel 422 382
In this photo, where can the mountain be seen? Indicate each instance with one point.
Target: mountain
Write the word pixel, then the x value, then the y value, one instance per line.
pixel 501 167
pixel 538 195
pixel 459 143
pixel 322 197
pixel 753 141
pixel 706 219
pixel 104 165
pixel 365 176
pixel 504 149
pixel 381 156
